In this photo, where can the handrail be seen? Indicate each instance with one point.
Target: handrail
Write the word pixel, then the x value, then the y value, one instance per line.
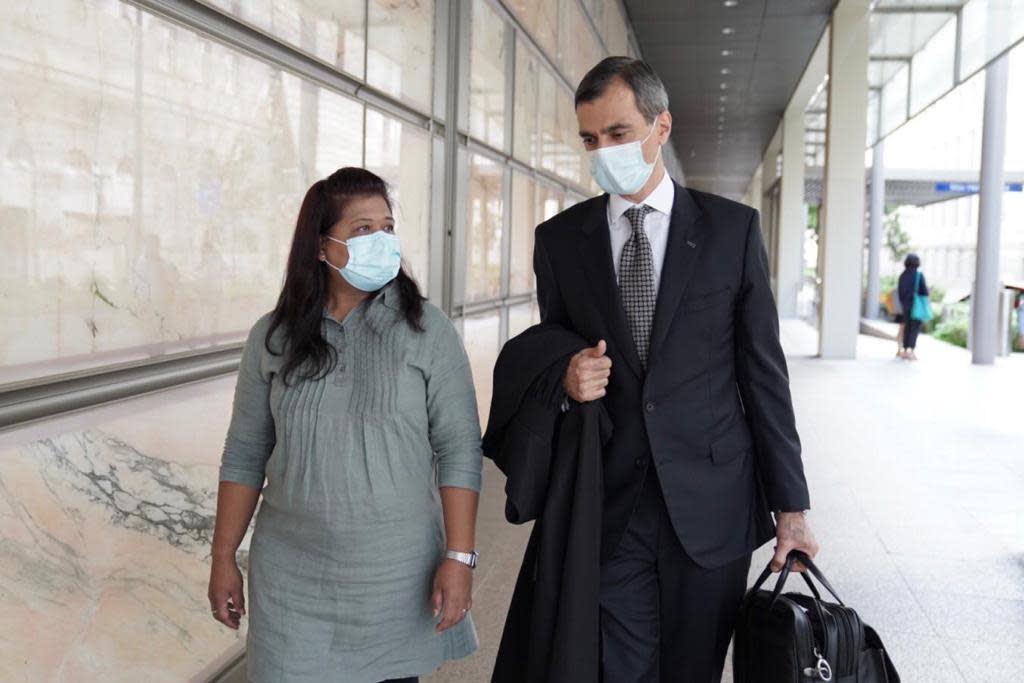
pixel 26 402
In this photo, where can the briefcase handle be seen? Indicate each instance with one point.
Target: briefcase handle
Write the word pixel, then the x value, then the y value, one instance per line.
pixel 803 558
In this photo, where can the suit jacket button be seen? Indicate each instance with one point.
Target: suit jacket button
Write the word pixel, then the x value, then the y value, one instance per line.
pixel 640 462
pixel 650 407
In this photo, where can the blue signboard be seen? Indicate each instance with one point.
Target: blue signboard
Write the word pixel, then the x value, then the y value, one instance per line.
pixel 963 188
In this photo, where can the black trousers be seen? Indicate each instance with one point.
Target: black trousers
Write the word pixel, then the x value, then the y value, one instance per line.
pixel 402 680
pixel 910 332
pixel 663 617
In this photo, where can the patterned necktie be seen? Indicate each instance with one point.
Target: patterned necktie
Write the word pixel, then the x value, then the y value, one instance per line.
pixel 636 281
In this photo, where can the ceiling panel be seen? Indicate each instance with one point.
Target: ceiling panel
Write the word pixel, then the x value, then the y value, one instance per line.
pixel 767 44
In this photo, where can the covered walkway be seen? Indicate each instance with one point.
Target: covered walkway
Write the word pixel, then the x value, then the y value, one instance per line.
pixel 915 473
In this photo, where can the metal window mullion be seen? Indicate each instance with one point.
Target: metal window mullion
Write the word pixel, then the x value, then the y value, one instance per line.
pixel 451 157
pixel 958 47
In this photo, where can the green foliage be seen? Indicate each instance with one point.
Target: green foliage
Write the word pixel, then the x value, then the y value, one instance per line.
pixel 896 238
pixel 814 218
pixel 953 332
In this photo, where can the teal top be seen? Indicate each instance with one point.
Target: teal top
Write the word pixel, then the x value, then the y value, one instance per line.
pixel 350 530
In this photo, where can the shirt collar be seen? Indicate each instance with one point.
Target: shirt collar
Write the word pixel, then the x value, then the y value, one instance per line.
pixel 660 199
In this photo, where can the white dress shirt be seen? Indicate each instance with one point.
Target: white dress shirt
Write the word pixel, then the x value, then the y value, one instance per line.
pixel 655 224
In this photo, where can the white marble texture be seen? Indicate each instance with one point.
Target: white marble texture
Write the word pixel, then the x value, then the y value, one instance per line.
pixel 105 526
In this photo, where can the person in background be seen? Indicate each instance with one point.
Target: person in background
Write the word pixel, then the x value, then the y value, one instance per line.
pixel 354 397
pixel 910 284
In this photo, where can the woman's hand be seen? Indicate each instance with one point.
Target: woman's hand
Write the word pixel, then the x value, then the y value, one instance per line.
pixel 453 593
pixel 227 599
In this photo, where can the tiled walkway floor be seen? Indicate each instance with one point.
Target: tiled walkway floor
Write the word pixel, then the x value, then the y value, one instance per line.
pixel 917 487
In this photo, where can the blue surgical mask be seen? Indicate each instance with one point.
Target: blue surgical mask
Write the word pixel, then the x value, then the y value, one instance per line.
pixel 621 169
pixel 373 260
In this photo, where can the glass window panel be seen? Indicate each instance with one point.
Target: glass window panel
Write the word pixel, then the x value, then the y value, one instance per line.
pixel 483 245
pixel 568 148
pixel 487 75
pixel 550 131
pixel 400 58
pixel 526 136
pixel 540 17
pixel 894 101
pixel 157 201
pixel 334 32
pixel 400 153
pixel 580 50
pixel 903 34
pixel 481 335
pixel 522 316
pixel 989 27
pixel 524 222
pixel 549 202
pixel 932 68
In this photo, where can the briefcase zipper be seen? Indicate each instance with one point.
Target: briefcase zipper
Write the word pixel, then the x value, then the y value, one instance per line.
pixel 821 669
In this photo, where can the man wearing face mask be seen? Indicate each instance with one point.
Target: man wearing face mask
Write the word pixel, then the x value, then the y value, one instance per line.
pixel 671 288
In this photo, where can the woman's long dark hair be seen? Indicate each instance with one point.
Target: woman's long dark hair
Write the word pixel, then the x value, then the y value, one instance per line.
pixel 299 309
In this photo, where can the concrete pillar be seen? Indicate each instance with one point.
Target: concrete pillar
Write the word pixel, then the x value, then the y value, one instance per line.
pixel 842 229
pixel 877 216
pixel 985 300
pixel 792 214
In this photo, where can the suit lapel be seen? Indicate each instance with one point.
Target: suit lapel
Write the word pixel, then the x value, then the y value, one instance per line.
pixel 600 270
pixel 681 253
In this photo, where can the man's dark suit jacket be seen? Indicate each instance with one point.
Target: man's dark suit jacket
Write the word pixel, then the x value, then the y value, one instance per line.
pixel 713 412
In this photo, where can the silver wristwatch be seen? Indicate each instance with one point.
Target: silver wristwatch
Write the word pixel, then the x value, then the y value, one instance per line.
pixel 468 559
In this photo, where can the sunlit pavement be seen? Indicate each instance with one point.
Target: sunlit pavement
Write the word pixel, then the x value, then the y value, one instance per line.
pixel 917 489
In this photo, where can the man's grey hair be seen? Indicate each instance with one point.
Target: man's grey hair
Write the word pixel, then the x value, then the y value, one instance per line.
pixel 649 91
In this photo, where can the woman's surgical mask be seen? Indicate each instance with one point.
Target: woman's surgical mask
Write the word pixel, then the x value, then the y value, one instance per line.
pixel 373 260
pixel 621 169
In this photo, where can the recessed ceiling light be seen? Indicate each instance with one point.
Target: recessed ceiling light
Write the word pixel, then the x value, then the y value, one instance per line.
pixel 725 72
pixel 730 3
pixel 728 31
pixel 723 86
pixel 721 109
pixel 723 98
pixel 726 53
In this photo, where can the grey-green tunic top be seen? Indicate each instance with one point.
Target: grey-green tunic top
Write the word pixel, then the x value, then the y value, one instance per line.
pixel 350 530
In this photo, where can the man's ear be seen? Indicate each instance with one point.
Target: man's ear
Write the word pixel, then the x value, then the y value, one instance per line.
pixel 664 125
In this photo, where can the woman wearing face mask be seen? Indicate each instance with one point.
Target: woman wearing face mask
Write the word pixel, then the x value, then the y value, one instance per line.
pixel 356 405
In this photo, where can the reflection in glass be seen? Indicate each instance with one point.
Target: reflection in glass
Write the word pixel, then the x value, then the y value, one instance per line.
pixel 487 76
pixel 154 213
pixel 334 32
pixel 484 220
pixel 400 153
pixel 526 133
pixel 400 58
pixel 540 17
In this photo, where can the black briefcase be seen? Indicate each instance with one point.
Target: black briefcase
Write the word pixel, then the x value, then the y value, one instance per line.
pixel 797 638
